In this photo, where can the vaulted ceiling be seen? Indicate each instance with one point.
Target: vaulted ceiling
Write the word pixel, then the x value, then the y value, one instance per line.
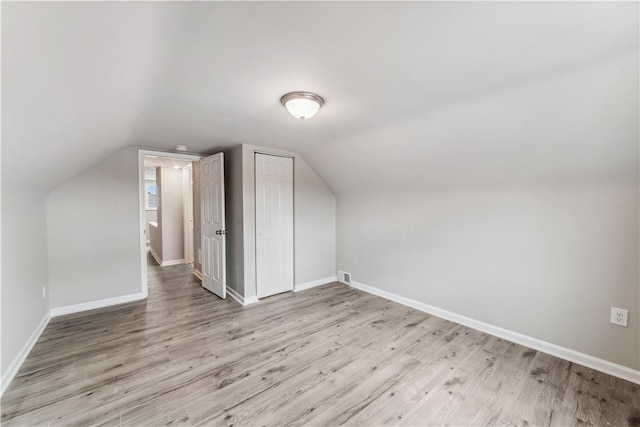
pixel 442 93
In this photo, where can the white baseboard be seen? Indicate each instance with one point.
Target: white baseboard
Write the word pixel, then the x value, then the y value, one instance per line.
pixel 197 274
pixel 315 283
pixel 235 295
pixel 155 255
pixel 584 359
pixel 242 300
pixel 24 352
pixel 251 300
pixel 76 308
pixel 172 262
pixel 162 263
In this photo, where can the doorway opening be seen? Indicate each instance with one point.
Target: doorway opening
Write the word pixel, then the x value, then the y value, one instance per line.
pixel 167 196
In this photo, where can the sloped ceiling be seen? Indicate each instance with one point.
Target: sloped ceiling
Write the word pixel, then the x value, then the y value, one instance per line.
pixel 82 80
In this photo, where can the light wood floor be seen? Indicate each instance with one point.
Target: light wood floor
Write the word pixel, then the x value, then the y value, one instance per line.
pixel 326 356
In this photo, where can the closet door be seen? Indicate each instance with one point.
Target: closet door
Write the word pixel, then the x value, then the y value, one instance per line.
pixel 274 224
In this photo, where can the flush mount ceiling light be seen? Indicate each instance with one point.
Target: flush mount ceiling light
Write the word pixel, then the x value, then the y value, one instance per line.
pixel 302 105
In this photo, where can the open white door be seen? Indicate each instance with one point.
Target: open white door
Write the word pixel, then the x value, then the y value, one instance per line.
pixel 212 224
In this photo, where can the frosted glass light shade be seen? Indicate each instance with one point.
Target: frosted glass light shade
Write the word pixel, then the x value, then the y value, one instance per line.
pixel 302 105
pixel 302 108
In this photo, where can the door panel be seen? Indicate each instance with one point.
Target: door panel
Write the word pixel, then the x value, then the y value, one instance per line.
pixel 274 224
pixel 212 226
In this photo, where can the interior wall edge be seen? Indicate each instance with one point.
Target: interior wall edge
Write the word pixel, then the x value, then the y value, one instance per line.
pixel 568 354
pixel 235 295
pixel 17 362
pixel 240 299
pixel 155 256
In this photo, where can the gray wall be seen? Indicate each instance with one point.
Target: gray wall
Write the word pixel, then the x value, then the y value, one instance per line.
pixel 196 216
pixel 155 240
pixel 234 218
pixel 314 208
pixel 315 225
pixel 24 266
pixel 155 233
pixel 171 213
pixel 93 233
pixel 547 263
pixel 519 210
pixel 150 215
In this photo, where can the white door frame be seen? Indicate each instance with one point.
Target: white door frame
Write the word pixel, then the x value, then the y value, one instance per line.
pixel 144 285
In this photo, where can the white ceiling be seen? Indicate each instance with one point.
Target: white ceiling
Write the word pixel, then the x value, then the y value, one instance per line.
pixel 436 90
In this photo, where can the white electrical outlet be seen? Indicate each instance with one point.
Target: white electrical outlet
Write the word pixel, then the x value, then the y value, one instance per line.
pixel 44 292
pixel 619 316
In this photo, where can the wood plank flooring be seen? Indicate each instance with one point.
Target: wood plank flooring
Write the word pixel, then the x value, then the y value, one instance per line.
pixel 331 355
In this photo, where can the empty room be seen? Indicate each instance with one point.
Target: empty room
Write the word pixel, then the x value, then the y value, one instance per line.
pixel 196 228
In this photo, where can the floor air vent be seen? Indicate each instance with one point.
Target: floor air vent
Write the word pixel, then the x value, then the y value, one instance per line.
pixel 347 278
